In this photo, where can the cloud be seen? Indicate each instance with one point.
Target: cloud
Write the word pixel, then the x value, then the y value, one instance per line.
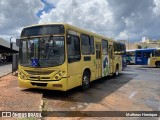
pixel 53 2
pixel 157 7
pixel 89 14
pixel 137 17
pixel 16 14
pixel 111 18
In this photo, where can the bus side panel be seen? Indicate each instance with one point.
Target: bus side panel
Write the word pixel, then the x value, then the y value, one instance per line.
pixel 105 65
pixel 89 64
pixel 138 58
pixel 74 74
pixel 118 61
pixel 153 61
pixel 142 56
pixel 105 58
pixel 93 68
pixel 74 67
pixel 146 56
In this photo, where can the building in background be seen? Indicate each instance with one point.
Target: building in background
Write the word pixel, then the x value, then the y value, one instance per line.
pixel 5 50
pixel 146 40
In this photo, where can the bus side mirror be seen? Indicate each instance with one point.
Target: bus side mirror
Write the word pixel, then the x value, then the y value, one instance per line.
pixel 18 42
pixel 150 55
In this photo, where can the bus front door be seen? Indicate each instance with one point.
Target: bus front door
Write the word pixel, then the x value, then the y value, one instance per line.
pixel 146 56
pixel 98 60
pixel 139 58
pixel 111 64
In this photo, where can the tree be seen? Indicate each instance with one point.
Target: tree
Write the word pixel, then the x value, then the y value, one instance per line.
pixel 146 46
pixel 139 47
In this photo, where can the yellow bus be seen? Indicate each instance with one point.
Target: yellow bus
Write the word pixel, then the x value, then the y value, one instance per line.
pixel 154 60
pixel 59 56
pixel 120 53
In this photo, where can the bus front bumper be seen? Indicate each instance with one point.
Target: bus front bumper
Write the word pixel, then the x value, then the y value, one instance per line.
pixel 49 85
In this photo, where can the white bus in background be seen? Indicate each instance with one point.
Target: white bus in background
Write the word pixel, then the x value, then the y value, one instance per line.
pixel 130 56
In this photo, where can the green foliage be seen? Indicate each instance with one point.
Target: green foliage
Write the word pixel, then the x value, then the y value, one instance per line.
pixel 139 47
pixel 146 46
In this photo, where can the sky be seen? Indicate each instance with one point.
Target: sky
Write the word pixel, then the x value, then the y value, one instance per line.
pixel 118 19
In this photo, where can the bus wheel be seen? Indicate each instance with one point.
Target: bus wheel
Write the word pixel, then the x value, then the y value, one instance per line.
pixel 85 80
pixel 128 62
pixel 116 74
pixel 158 64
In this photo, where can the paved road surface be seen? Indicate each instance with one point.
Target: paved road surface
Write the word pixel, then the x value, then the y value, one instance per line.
pixel 136 89
pixel 5 69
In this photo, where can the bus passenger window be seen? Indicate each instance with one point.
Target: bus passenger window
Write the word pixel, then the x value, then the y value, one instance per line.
pixel 98 51
pixel 73 48
pixel 86 48
pixel 115 47
pixel 104 47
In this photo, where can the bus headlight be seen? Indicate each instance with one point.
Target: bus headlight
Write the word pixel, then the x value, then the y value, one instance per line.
pixel 59 75
pixel 21 75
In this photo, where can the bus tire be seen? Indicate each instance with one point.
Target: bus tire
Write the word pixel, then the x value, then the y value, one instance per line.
pixel 158 64
pixel 85 80
pixel 116 74
pixel 128 62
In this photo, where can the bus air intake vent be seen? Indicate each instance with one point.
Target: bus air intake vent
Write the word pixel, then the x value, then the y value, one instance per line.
pixel 39 72
pixel 40 78
pixel 39 84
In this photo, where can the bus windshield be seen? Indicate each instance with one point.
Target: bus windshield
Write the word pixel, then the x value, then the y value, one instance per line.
pixel 42 52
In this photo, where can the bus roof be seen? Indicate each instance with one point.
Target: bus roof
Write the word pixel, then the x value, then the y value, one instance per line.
pixel 130 50
pixel 76 29
pixel 147 49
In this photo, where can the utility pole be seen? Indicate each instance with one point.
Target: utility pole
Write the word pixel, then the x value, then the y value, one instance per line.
pixel 128 41
pixel 11 53
pixel 11 43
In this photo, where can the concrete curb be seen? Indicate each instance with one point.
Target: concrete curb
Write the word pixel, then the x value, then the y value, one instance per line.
pixel 5 74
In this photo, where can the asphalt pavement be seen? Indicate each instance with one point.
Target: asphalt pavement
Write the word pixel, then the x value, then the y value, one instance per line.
pixel 136 89
pixel 5 68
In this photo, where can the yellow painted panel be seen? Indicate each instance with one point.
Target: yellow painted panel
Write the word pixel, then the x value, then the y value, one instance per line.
pixel 74 81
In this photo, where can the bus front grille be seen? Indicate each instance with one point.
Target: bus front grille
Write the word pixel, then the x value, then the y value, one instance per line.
pixel 39 72
pixel 41 77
